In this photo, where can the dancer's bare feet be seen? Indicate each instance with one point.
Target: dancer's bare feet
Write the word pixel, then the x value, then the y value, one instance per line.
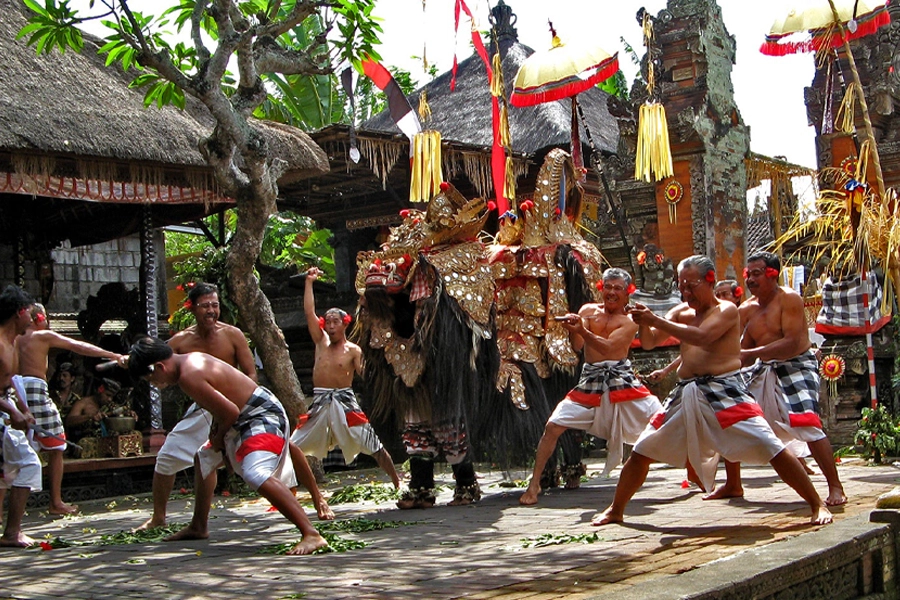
pixel 188 533
pixel 19 541
pixel 530 497
pixel 726 491
pixel 606 517
pixel 309 544
pixel 324 511
pixel 150 523
pixel 63 509
pixel 821 516
pixel 835 497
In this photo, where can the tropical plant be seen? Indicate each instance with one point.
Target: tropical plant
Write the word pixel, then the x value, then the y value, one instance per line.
pixel 259 38
pixel 878 433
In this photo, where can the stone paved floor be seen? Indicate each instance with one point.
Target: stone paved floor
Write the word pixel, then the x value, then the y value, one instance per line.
pixel 474 551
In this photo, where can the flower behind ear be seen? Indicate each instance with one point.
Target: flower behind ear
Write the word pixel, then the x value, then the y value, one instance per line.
pixel 321 322
pixel 711 276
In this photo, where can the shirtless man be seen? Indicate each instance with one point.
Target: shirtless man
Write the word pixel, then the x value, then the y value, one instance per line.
pixel 335 417
pixel 249 427
pixel 86 417
pixel 608 402
pixel 227 343
pixel 709 412
pixel 33 348
pixel 20 465
pixel 782 371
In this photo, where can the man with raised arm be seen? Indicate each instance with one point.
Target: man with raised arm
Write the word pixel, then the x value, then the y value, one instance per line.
pixel 227 343
pixel 782 371
pixel 709 412
pixel 19 463
pixel 249 427
pixel 609 402
pixel 335 417
pixel 33 349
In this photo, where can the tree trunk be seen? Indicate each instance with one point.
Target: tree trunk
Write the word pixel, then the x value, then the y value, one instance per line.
pixel 256 313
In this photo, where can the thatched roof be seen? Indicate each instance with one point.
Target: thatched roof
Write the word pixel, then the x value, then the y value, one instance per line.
pixel 71 125
pixel 464 115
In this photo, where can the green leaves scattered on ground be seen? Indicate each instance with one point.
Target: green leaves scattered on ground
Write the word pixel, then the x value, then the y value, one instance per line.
pixel 374 492
pixel 551 539
pixel 515 483
pixel 336 543
pixel 359 525
pixel 152 535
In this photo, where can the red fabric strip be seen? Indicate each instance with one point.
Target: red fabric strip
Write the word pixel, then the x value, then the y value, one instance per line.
pixel 266 442
pixel 737 413
pixel 658 419
pixel 628 394
pixel 836 330
pixel 583 398
pixel 356 418
pixel 301 421
pixel 805 420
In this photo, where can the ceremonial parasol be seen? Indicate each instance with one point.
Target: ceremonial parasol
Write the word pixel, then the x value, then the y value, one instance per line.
pixel 564 71
pixel 821 26
pixel 825 24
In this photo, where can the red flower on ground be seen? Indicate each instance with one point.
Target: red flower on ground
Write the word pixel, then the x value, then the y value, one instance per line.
pixel 46 546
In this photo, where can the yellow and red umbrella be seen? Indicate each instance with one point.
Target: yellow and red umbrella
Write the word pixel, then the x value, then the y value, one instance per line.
pixel 561 72
pixel 812 25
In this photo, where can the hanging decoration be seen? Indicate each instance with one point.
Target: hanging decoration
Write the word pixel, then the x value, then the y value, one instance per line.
pixel 426 175
pixel 674 194
pixel 832 369
pixel 653 160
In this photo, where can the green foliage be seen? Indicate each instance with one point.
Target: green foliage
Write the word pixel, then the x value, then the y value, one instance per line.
pixel 359 525
pixel 878 433
pixel 556 539
pixel 208 266
pixel 53 24
pixel 293 241
pixel 378 492
pixel 152 535
pixel 616 85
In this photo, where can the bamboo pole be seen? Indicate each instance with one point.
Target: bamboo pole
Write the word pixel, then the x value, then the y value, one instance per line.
pixel 864 105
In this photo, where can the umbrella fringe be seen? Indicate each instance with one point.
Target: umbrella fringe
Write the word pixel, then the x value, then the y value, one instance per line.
pixel 867 25
pixel 563 89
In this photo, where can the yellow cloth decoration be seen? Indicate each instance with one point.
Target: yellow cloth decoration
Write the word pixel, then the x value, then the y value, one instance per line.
pixel 426 175
pixel 653 160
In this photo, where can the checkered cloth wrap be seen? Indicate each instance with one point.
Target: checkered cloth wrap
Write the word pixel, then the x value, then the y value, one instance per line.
pixel 799 388
pixel 261 425
pixel 727 395
pixel 335 419
pixel 842 306
pixel 705 417
pixel 46 415
pixel 421 286
pixel 613 380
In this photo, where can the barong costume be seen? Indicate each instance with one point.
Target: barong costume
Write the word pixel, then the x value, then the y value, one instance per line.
pixel 609 402
pixel 335 419
pixel 705 417
pixel 788 392
pixel 257 445
pixel 46 415
pixel 188 435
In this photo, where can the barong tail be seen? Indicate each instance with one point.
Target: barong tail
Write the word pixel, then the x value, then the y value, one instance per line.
pixel 335 419
pixel 46 415
pixel 257 443
pixel 707 416
pixel 609 402
pixel 788 392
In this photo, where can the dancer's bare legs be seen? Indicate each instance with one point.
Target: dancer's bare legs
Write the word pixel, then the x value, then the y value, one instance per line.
pixel 546 448
pixel 283 499
pixel 204 488
pixel 387 465
pixel 55 473
pixel 12 535
pixel 822 452
pixel 790 471
pixel 633 475
pixel 732 488
pixel 162 489
pixel 308 480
